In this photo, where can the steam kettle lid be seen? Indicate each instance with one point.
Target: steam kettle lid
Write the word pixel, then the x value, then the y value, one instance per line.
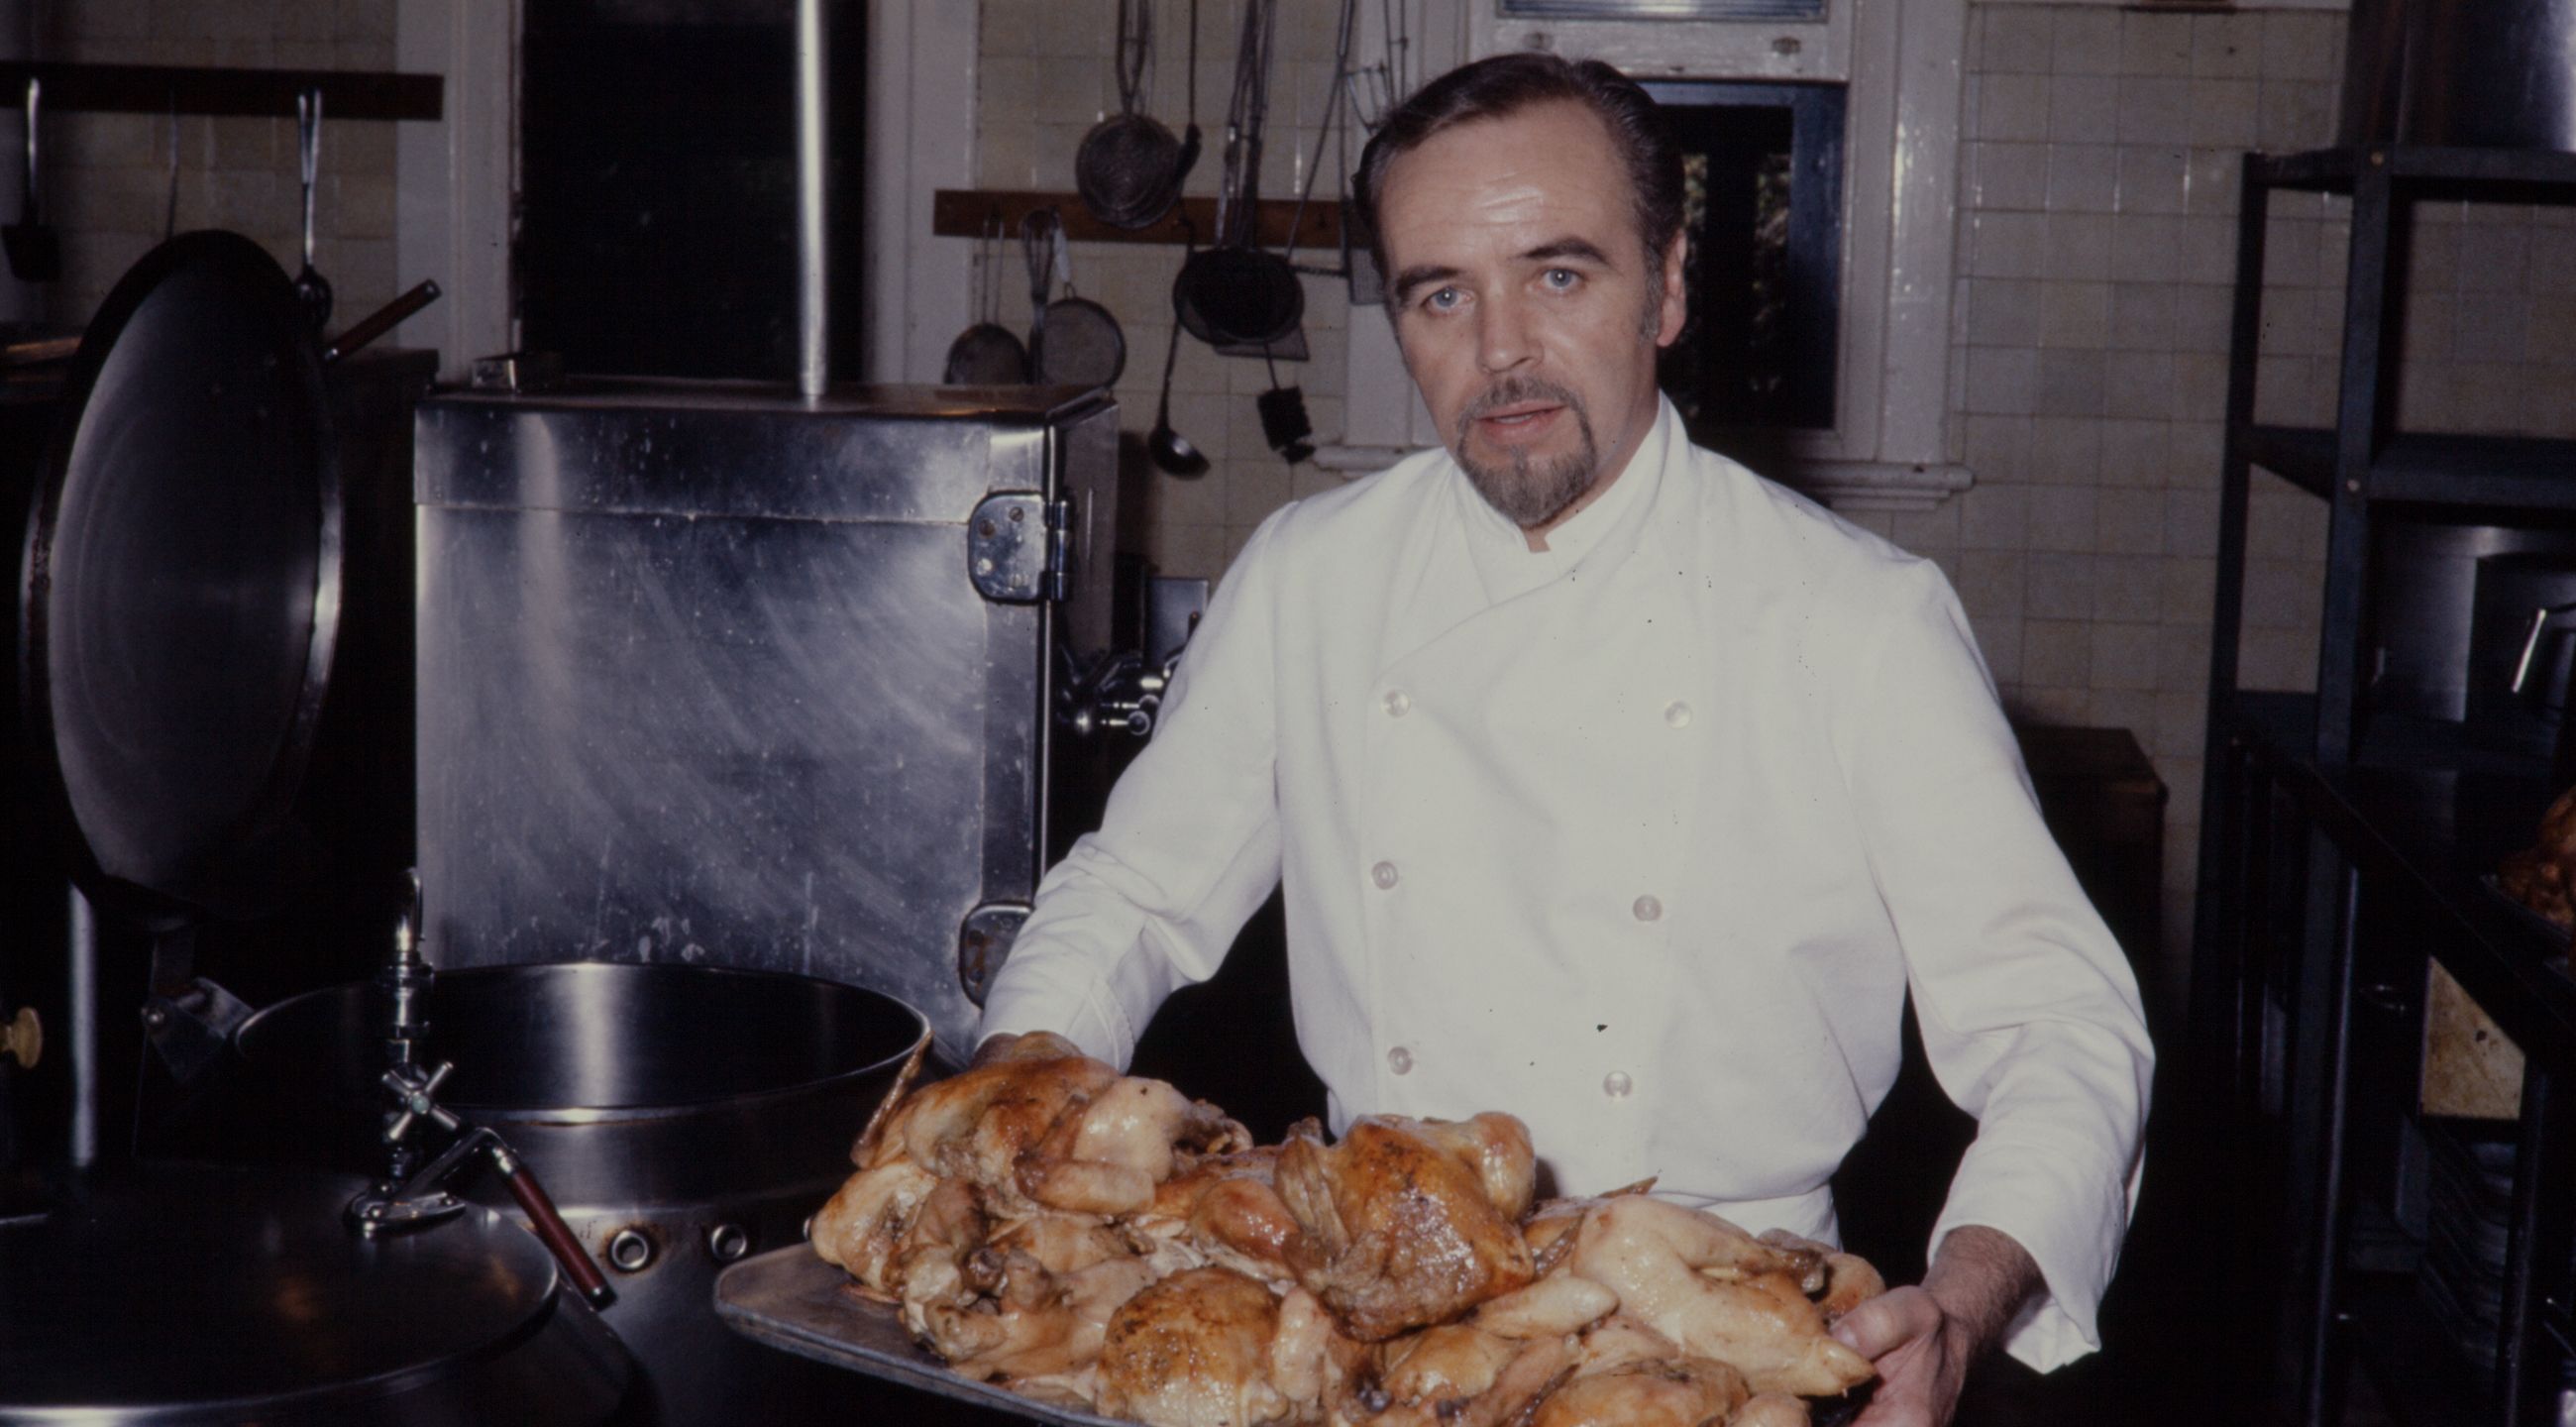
pixel 183 587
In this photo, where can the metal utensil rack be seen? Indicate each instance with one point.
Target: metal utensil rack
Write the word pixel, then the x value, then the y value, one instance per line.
pixel 2311 818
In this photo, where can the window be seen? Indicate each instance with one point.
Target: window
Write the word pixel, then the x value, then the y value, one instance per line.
pixel 1764 167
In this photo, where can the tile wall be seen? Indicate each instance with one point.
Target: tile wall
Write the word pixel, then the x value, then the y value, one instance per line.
pixel 2097 242
pixel 107 177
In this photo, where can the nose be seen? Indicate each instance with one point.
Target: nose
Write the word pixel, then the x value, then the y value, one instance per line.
pixel 1503 336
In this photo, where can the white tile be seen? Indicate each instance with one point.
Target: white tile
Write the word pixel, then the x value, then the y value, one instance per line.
pixel 2226 113
pixel 2142 316
pixel 2016 39
pixel 2055 654
pixel 2058 585
pixel 2002 380
pixel 2003 312
pixel 2133 452
pixel 2012 106
pixel 2078 245
pixel 2128 588
pixel 2227 46
pixel 2124 657
pixel 2065 450
pixel 2191 525
pixel 2302 45
pixel 2083 109
pixel 2010 175
pixel 2154 44
pixel 2083 178
pixel 2154 110
pixel 2075 314
pixel 2213 181
pixel 2145 248
pixel 2139 384
pixel 1997 448
pixel 2062 518
pixel 2495 258
pixel 2087 39
pixel 2151 178
pixel 2007 245
pixel 2296 115
pixel 2072 382
pixel 2130 521
pixel 1994 517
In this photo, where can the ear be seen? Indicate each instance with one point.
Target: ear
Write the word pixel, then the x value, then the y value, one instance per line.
pixel 1674 309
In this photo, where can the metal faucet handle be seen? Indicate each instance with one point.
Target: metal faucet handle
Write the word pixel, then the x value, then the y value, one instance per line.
pixel 415 1092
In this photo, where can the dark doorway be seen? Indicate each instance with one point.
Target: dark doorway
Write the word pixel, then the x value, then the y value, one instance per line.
pixel 658 186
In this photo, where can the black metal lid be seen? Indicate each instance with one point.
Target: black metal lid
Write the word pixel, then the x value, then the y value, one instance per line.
pixel 182 587
pixel 220 1294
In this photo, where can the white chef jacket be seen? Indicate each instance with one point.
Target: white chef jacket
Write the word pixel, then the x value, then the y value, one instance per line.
pixel 1642 838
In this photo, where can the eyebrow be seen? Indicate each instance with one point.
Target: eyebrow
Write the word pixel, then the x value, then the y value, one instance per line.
pixel 1566 248
pixel 1414 279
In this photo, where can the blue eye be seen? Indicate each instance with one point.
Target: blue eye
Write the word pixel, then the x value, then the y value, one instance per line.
pixel 1444 299
pixel 1562 278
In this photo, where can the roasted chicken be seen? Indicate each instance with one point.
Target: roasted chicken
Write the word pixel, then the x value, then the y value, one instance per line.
pixel 1407 1223
pixel 1101 1241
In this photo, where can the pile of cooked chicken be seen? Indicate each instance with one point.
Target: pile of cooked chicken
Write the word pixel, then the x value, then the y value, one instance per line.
pixel 1101 1241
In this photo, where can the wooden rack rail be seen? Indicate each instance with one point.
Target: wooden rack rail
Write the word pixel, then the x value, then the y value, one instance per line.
pixel 965 213
pixel 266 93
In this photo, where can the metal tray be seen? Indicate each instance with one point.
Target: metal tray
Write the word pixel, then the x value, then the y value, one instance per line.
pixel 790 1299
pixel 2558 935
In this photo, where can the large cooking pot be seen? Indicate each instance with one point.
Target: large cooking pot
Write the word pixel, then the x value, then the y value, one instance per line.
pixel 681 1116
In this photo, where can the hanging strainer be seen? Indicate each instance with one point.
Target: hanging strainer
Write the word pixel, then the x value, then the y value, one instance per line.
pixel 1074 342
pixel 988 353
pixel 1128 169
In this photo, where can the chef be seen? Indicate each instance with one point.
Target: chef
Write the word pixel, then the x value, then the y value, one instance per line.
pixel 1614 786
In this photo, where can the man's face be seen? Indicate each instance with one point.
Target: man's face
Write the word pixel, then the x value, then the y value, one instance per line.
pixel 1525 305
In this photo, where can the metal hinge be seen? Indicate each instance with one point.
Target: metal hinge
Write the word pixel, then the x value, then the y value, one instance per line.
pixel 1019 548
pixel 984 943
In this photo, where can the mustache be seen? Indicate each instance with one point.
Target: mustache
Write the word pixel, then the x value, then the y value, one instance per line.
pixel 1511 391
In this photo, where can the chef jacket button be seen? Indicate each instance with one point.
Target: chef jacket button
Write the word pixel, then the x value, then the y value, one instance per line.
pixel 1647 908
pixel 1677 713
pixel 1399 1060
pixel 1398 702
pixel 1383 875
pixel 1616 1085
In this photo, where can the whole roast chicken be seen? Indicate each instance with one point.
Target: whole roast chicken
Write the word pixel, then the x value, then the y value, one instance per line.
pixel 1407 1222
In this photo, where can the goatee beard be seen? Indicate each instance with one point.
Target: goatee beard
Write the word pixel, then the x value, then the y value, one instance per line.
pixel 1530 493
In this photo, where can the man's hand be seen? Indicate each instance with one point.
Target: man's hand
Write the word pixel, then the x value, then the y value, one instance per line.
pixel 994 1047
pixel 1923 1340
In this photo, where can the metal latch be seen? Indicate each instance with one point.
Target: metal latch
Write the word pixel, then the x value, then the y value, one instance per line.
pixel 984 943
pixel 1019 548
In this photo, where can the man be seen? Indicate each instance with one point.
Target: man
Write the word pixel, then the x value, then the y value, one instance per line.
pixel 1614 787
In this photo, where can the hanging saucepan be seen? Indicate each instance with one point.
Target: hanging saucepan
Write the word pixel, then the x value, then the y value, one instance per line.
pixel 1129 167
pixel 988 353
pixel 1235 294
pixel 1075 341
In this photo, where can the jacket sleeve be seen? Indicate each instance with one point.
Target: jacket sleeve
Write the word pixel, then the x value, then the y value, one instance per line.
pixel 1186 851
pixel 2030 1014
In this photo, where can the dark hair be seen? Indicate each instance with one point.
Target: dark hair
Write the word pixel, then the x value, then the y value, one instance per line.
pixel 1507 84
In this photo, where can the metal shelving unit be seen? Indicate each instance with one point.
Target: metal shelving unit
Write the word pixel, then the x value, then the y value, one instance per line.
pixel 2312 811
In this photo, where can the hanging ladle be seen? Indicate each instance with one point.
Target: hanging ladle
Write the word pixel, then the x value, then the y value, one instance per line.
pixel 312 290
pixel 1170 450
